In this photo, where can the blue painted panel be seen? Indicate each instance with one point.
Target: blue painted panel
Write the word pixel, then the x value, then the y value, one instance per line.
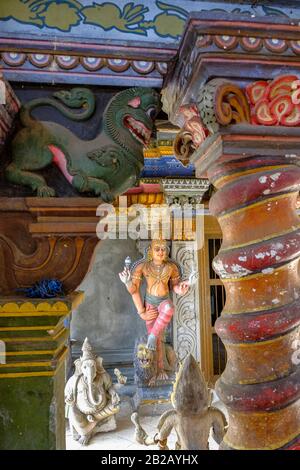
pixel 166 166
pixel 138 20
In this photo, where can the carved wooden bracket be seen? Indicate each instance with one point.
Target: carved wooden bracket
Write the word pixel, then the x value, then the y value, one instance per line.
pixel 222 103
pixel 191 135
pixel 46 238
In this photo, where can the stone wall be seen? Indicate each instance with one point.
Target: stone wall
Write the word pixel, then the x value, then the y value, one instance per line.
pixel 107 315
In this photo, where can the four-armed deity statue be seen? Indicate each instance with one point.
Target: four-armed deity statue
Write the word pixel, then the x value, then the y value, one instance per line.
pixel 91 398
pixel 162 275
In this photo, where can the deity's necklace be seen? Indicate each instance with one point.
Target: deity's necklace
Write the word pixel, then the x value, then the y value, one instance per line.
pixel 159 273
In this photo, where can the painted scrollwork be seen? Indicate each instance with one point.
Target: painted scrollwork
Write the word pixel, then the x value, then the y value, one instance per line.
pixel 186 321
pixel 192 134
pixel 221 102
pixel 275 102
pixel 183 147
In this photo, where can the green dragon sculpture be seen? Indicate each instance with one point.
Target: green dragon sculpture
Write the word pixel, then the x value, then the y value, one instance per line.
pixel 105 166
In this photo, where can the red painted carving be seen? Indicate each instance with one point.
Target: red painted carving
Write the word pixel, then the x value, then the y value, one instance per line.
pixel 192 134
pixel 193 124
pixel 275 102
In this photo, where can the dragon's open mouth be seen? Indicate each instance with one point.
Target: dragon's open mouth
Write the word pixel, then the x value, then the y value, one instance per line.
pixel 139 131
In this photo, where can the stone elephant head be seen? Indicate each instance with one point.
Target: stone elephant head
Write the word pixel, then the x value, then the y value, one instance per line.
pixel 89 367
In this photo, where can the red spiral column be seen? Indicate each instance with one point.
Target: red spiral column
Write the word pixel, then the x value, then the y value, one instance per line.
pixel 258 263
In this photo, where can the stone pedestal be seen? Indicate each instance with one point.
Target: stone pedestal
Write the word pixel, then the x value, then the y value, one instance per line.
pixel 34 336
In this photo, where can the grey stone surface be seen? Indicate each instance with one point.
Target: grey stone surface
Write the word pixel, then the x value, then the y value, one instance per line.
pixel 107 315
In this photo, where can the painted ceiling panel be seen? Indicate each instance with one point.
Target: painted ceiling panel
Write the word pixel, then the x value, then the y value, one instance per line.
pixel 141 20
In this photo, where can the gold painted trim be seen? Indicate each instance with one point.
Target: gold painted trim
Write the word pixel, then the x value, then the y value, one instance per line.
pixel 154 401
pixel 27 328
pixel 59 307
pixel 258 240
pixel 257 343
pixel 206 357
pixel 33 353
pixel 251 171
pixel 159 151
pixel 77 299
pixel 256 204
pixel 34 314
pixel 27 374
pixel 250 310
pixel 268 378
pixel 26 364
pixel 278 445
pixel 35 338
pixel 60 362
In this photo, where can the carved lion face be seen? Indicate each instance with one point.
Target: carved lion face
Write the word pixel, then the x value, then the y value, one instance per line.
pixel 134 111
pixel 145 356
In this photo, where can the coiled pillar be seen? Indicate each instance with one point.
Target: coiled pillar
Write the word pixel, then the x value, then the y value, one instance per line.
pixel 255 204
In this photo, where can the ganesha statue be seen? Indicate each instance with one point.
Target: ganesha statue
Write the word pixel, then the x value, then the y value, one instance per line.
pixel 90 397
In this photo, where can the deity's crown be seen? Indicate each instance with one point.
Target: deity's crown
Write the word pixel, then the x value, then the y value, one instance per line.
pixel 87 351
pixel 158 240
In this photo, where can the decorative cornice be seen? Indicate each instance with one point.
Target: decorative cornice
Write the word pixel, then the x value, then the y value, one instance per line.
pixel 222 47
pixel 16 307
pixel 222 103
pixel 34 332
pixel 246 139
pixel 184 191
pixel 246 44
pixel 72 68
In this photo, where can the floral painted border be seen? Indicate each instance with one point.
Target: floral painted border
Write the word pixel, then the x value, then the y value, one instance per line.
pixel 64 15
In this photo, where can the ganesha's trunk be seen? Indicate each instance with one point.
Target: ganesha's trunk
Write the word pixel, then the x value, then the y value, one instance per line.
pixel 91 396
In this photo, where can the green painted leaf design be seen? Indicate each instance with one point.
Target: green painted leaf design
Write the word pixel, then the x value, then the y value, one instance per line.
pixel 167 7
pixel 135 14
pixel 273 11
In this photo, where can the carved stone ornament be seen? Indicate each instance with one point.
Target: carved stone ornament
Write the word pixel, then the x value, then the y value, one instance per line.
pixel 186 324
pixel 184 191
pixel 91 398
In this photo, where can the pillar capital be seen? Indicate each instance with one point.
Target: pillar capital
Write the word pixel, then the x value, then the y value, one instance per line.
pixel 233 47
